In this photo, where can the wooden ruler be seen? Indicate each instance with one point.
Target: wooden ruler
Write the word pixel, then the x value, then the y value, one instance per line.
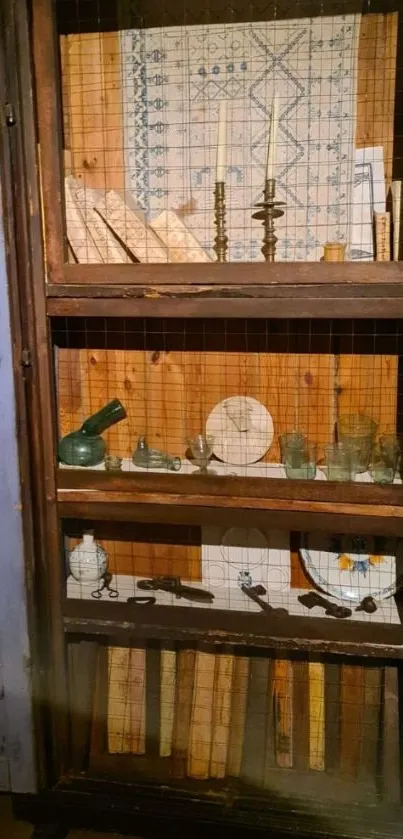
pixel 382 236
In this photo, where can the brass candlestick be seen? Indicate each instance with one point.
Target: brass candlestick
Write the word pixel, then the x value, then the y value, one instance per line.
pixel 221 239
pixel 269 212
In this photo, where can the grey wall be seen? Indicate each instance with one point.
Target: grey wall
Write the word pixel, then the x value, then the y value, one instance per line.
pixel 17 765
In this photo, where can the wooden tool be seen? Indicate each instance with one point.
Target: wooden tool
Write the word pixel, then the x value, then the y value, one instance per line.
pixel 382 237
pixel 313 598
pixel 396 210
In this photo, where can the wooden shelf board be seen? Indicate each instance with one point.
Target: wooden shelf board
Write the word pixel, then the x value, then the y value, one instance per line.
pixel 235 273
pixel 190 499
pixel 123 622
pixel 287 296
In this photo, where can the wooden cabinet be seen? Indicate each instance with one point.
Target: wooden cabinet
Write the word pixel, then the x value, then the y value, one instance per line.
pixel 234 715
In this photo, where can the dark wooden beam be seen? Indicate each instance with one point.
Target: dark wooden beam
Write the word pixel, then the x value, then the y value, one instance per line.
pixel 194 499
pixel 125 624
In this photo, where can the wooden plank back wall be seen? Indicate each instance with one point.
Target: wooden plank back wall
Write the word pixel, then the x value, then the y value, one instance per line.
pixel 93 112
pixel 169 395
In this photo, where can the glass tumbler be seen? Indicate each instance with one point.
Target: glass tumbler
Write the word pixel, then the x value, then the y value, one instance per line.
pixel 341 462
pixel 358 432
pixel 299 458
pixel 383 464
pixel 390 445
pixel 201 447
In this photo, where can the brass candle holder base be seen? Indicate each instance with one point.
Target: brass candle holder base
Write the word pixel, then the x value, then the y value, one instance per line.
pixel 221 239
pixel 269 212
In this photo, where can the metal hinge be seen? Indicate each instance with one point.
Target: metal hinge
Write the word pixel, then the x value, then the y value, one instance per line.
pixel 26 358
pixel 11 118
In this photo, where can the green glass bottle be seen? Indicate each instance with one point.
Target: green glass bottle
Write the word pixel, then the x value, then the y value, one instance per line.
pixel 86 447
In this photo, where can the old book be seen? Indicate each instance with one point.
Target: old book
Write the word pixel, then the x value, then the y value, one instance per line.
pixel 371 725
pixel 185 674
pixel 351 715
pixel 131 229
pixel 168 688
pixel 224 669
pixel 316 716
pixel 108 245
pixel 238 715
pixel 79 237
pixel 202 717
pixel 390 750
pixel 282 703
pixel 255 734
pixel 181 244
pixel 126 700
pixel 301 715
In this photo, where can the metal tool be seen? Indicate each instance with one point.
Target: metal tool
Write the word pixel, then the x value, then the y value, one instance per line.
pixel 367 605
pixel 142 601
pixel 313 598
pixel 105 586
pixel 255 593
pixel 174 586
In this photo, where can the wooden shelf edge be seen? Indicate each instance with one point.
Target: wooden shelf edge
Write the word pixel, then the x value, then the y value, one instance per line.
pixel 218 500
pixel 275 300
pixel 235 273
pixel 222 490
pixel 123 623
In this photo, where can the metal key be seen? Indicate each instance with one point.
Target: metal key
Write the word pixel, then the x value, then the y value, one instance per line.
pixel 313 598
pixel 255 593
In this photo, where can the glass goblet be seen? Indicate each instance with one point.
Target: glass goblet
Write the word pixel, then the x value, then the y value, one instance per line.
pixel 201 447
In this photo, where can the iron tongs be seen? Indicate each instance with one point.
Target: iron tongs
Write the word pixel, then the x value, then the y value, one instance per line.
pixel 174 586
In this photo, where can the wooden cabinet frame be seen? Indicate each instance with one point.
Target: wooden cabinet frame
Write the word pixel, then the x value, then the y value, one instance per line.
pixel 49 286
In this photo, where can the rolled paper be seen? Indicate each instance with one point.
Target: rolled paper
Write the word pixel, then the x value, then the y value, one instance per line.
pixel 222 142
pixel 271 151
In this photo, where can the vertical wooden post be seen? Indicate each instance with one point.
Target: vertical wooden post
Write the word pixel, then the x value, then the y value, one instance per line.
pixel 50 134
pixel 46 575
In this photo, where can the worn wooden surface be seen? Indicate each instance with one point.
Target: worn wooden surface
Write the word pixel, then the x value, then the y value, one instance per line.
pixel 185 678
pixel 230 274
pixel 376 77
pixel 220 626
pixel 168 396
pixel 92 108
pixel 50 142
pixel 274 745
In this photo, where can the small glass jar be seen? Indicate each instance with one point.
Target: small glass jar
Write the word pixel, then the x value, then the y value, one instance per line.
pixel 113 463
pixel 383 464
pixel 298 456
pixel 341 462
pixel 358 432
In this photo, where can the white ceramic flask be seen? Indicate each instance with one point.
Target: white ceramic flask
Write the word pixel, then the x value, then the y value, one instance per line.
pixel 88 561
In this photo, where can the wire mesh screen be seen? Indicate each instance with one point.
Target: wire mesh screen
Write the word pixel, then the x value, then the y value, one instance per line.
pixel 318 401
pixel 193 134
pixel 239 721
pixel 250 392
pixel 236 568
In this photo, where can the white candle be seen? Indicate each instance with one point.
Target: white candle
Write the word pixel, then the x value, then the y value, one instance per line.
pixel 222 142
pixel 271 151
